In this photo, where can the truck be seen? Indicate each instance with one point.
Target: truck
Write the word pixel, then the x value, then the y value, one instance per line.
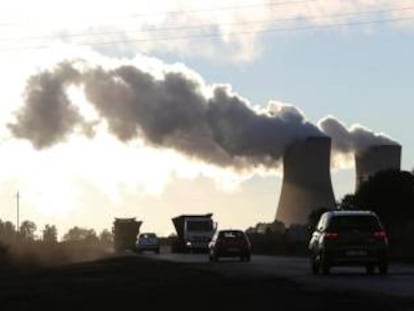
pixel 125 232
pixel 194 232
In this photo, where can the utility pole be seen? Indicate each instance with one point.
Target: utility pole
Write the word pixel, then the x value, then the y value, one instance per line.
pixel 18 212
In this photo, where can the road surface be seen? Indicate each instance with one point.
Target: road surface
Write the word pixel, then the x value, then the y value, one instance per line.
pixel 125 281
pixel 399 282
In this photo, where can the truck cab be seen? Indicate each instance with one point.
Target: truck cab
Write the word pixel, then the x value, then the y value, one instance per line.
pixel 194 232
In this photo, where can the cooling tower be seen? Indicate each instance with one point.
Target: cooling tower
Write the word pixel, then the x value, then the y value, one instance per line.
pixel 306 180
pixel 375 159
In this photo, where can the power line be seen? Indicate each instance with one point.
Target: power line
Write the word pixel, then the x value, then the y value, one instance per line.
pixel 269 3
pixel 181 12
pixel 215 35
pixel 172 27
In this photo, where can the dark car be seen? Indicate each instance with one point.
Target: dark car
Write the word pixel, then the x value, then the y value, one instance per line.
pixel 230 243
pixel 349 238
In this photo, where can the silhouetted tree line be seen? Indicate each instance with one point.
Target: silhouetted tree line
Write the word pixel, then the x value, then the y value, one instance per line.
pixel 24 248
pixel 277 239
pixel 26 232
pixel 390 194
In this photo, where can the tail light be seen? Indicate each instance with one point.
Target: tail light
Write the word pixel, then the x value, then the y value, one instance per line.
pixel 330 235
pixel 380 235
pixel 218 244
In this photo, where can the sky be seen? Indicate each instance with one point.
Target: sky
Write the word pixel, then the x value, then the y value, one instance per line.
pixel 348 59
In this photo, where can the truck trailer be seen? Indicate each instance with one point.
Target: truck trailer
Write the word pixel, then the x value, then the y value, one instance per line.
pixel 194 232
pixel 125 232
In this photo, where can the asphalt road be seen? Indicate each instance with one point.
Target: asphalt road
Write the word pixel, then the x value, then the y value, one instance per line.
pixel 122 281
pixel 399 282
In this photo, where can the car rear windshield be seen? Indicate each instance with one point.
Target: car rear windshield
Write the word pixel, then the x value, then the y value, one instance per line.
pixel 231 235
pixel 354 222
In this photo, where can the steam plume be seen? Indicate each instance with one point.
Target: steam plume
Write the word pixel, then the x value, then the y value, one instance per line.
pixel 355 138
pixel 172 112
pixel 48 115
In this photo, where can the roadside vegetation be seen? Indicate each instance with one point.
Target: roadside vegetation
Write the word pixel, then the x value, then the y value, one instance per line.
pixel 23 249
pixel 390 194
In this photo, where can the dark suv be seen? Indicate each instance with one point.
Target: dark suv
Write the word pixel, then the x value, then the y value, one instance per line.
pixel 346 238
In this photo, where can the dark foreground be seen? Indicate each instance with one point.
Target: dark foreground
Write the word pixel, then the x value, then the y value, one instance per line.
pixel 139 282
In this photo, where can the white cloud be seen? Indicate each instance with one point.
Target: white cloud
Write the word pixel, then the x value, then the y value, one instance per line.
pixel 132 26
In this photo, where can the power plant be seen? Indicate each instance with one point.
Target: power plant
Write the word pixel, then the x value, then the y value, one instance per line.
pixel 375 159
pixel 306 180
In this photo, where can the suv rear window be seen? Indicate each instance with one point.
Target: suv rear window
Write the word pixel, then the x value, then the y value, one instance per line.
pixel 231 235
pixel 353 222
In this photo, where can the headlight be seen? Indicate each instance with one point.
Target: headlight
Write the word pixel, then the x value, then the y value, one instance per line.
pixel 188 243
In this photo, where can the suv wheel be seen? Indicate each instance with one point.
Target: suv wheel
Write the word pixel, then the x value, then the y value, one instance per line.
pixel 383 267
pixel 324 263
pixel 314 265
pixel 326 269
pixel 245 258
pixel 370 269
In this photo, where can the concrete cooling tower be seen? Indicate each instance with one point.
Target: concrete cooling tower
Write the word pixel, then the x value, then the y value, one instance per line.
pixel 306 180
pixel 376 159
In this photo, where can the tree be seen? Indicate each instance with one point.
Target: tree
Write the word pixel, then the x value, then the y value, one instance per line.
pixel 7 231
pixel 80 234
pixel 106 238
pixel 1 230
pixel 50 234
pixel 314 217
pixel 390 194
pixel 27 230
pixel 348 202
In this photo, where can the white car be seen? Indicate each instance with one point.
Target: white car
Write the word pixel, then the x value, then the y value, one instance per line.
pixel 148 242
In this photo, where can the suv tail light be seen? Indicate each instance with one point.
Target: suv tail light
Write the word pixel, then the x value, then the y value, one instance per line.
pixel 380 235
pixel 219 244
pixel 330 235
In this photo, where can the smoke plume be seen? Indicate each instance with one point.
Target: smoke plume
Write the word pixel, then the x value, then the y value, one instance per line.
pixel 207 122
pixel 352 139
